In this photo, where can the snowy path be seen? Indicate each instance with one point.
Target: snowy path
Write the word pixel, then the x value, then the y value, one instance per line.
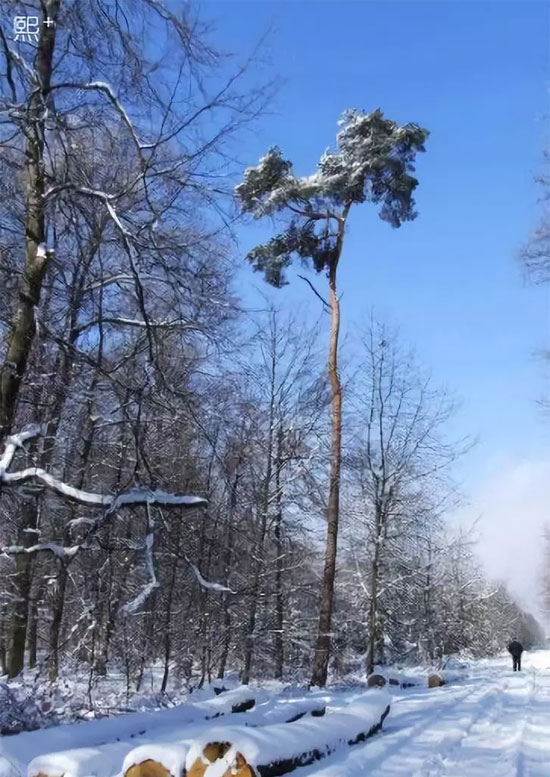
pixel 495 724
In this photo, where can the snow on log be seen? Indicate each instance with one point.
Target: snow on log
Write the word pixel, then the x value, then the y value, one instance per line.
pixel 92 756
pixel 101 761
pixel 156 760
pixel 435 681
pixel 287 710
pixel 151 729
pixel 278 749
pixel 163 759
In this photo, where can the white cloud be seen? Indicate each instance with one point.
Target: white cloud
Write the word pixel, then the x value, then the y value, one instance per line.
pixel 513 503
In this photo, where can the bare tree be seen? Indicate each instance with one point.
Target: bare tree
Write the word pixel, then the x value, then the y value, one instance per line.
pixel 399 456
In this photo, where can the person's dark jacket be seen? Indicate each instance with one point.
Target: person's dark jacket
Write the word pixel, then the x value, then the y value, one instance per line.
pixel 515 648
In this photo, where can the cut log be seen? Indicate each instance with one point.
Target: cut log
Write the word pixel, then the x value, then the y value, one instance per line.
pixel 212 752
pixel 435 681
pixel 276 750
pixel 235 765
pixel 103 760
pixel 148 768
pixel 156 760
pixel 243 706
pixel 376 681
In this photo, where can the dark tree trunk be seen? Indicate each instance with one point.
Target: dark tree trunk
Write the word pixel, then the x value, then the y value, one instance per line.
pixel 57 619
pixel 228 560
pixel 168 624
pixel 32 627
pixel 259 549
pixel 373 620
pixel 279 599
pixel 23 325
pixel 22 583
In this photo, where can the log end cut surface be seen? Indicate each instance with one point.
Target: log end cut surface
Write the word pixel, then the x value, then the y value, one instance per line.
pixel 376 681
pixel 148 768
pixel 211 753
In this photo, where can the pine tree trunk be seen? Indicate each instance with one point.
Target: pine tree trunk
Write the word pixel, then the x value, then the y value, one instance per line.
pixel 322 646
pixel 61 582
pixel 23 325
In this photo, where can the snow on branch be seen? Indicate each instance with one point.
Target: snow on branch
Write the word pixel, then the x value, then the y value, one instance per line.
pixel 146 591
pixel 133 322
pixel 106 89
pixel 205 583
pixel 134 496
pixel 14 442
pixel 112 502
pixel 60 551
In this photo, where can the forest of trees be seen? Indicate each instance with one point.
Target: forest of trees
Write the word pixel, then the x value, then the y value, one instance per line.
pixel 182 479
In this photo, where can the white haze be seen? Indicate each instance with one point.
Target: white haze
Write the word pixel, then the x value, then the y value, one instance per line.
pixel 512 504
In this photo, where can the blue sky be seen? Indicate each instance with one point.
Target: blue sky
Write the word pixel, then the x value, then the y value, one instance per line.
pixel 476 74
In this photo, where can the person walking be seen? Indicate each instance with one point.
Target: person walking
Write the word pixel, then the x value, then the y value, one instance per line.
pixel 515 648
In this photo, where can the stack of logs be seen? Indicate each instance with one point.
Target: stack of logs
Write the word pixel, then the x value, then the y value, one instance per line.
pixel 268 750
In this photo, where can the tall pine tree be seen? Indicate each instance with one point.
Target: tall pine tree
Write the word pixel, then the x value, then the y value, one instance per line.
pixel 373 162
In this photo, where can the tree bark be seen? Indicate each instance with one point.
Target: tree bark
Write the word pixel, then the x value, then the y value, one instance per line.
pixel 32 623
pixel 167 625
pixel 23 325
pixel 22 580
pixel 322 647
pixel 374 626
pixel 228 561
pixel 279 600
pixel 57 619
pixel 264 510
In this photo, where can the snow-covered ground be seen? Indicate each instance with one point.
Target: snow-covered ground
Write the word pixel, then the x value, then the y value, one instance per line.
pixel 490 723
pixel 496 723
